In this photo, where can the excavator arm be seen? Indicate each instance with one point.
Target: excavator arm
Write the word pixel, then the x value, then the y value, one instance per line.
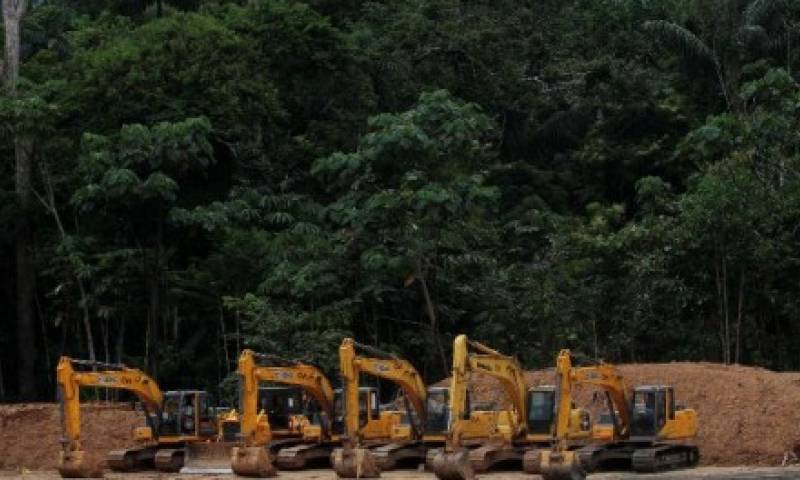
pixel 70 381
pixel 608 378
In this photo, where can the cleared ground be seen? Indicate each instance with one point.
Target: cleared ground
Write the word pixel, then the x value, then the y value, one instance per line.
pixel 703 473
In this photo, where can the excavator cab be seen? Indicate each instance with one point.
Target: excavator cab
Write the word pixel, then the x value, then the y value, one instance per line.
pixel 542 401
pixel 437 409
pixel 655 416
pixel 187 414
pixel 368 407
pixel 653 405
pixel 541 409
pixel 281 404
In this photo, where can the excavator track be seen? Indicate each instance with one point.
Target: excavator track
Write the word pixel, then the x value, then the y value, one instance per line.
pixel 662 457
pixel 389 456
pixel 169 459
pixel 131 459
pixel 298 457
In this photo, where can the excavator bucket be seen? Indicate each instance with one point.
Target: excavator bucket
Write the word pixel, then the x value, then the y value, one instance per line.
pixel 207 458
pixel 355 462
pixel 561 466
pixel 453 465
pixel 252 462
pixel 532 460
pixel 76 464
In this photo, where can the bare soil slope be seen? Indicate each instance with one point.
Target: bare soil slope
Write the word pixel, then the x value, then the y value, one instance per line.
pixel 747 416
pixel 30 433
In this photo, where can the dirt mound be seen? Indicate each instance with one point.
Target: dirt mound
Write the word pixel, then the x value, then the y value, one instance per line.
pixel 747 416
pixel 30 433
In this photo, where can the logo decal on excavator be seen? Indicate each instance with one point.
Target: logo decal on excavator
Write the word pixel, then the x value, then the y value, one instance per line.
pixel 111 380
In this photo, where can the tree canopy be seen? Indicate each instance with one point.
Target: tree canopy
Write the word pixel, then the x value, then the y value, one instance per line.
pixel 618 177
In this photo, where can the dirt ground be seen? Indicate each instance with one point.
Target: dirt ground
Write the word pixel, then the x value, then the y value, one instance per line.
pixel 703 473
pixel 30 434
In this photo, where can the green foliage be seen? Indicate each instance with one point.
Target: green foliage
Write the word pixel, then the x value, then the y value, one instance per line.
pixel 278 174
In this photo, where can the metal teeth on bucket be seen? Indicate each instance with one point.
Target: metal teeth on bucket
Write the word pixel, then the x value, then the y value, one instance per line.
pixel 252 462
pixel 453 465
pixel 355 463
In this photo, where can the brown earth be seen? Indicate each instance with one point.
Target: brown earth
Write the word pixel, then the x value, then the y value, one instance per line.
pixel 747 416
pixel 30 433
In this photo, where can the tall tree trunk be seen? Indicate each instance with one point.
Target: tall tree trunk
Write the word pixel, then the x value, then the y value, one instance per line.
pixel 224 337
pixel 727 355
pixel 152 317
pixel 49 204
pixel 739 317
pixel 720 305
pixel 120 338
pixel 155 305
pixel 431 311
pixel 13 12
pixel 2 384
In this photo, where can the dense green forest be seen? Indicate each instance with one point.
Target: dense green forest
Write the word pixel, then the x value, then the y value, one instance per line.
pixel 182 179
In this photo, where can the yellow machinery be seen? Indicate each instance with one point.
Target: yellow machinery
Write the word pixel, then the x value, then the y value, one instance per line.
pixel 382 443
pixel 480 439
pixel 648 433
pixel 175 419
pixel 309 440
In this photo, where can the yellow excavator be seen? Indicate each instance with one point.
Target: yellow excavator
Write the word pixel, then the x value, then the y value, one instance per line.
pixel 175 418
pixel 396 436
pixel 478 440
pixel 307 440
pixel 648 433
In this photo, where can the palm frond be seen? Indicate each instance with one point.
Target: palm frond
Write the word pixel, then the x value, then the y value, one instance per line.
pixel 681 38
